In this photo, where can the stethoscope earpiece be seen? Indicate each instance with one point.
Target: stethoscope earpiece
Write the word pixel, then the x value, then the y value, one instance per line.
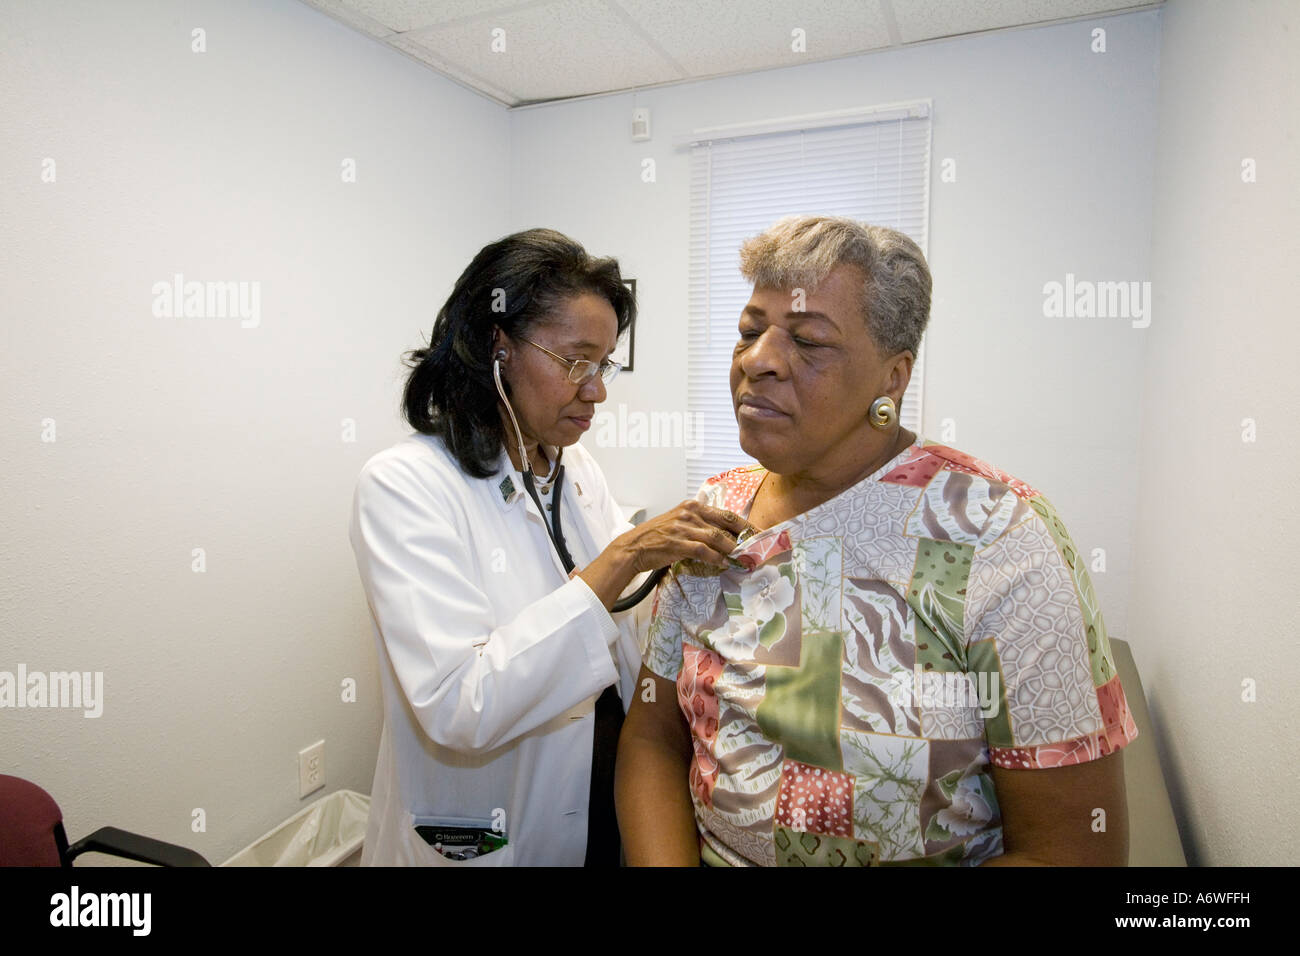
pixel 526 465
pixel 556 475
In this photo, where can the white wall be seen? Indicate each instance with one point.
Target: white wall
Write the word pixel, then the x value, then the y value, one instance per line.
pixel 1054 149
pixel 175 434
pixel 1214 577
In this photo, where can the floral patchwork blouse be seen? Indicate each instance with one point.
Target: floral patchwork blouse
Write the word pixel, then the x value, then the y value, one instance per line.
pixel 849 681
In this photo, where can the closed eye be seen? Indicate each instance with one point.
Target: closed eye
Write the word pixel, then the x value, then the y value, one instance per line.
pixel 748 334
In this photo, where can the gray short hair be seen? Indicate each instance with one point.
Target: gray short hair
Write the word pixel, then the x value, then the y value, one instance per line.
pixel 800 251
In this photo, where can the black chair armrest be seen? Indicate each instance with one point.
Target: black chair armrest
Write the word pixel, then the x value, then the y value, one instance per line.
pixel 133 846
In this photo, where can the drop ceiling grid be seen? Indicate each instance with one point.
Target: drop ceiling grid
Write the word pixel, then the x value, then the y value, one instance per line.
pixel 554 50
pixel 559 49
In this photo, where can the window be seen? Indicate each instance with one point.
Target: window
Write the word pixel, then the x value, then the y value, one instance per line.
pixel 872 165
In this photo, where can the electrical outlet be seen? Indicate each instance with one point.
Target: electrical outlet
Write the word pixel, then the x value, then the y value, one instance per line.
pixel 311 768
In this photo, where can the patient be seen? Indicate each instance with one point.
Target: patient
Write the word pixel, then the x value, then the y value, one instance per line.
pixel 907 663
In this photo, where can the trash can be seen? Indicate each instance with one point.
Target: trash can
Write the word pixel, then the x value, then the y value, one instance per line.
pixel 326 833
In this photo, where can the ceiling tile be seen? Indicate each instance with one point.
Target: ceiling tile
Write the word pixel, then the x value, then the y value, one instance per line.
pixel 403 15
pixel 732 36
pixel 929 19
pixel 563 48
pixel 434 59
pixel 340 11
pixel 559 49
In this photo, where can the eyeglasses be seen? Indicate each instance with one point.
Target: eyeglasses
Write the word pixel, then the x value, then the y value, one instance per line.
pixel 581 371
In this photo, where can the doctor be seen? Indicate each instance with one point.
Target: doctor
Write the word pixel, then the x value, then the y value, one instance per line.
pixel 505 676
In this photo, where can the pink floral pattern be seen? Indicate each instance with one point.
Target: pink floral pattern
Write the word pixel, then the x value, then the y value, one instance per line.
pixel 700 669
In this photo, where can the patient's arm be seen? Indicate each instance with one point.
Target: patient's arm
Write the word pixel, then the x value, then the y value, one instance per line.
pixel 1048 815
pixel 652 780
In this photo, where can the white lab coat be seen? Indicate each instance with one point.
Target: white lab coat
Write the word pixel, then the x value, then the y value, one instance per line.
pixel 491 656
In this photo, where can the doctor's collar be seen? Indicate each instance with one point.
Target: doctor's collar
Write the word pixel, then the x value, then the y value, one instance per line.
pixel 511 490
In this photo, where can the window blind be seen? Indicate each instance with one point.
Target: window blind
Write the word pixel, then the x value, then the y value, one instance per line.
pixel 874 170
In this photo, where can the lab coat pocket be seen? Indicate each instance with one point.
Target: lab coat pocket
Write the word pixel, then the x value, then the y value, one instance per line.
pixel 416 852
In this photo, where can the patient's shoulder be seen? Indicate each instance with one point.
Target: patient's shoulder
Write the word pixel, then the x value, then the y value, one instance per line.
pixel 960 461
pixel 732 489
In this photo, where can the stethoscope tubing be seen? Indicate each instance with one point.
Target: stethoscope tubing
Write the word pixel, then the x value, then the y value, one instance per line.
pixel 556 535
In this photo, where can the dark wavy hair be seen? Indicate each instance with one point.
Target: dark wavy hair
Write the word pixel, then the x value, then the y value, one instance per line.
pixel 450 390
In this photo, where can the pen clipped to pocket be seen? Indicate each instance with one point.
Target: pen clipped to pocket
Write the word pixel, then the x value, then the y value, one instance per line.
pixel 461 838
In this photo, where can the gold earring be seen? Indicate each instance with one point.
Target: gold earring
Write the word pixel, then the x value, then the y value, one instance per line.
pixel 884 414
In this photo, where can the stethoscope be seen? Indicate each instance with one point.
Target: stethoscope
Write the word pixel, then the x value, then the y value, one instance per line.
pixel 556 479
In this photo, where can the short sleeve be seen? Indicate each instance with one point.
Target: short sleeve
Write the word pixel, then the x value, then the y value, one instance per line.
pixel 663 651
pixel 1037 643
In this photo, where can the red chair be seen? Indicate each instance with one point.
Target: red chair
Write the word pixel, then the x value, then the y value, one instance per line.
pixel 31 834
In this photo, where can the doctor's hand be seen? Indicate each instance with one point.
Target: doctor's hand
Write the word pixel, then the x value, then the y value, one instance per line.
pixel 690 530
